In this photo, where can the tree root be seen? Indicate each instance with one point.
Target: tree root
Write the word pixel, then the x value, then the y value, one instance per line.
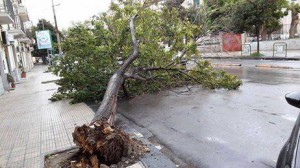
pixel 103 144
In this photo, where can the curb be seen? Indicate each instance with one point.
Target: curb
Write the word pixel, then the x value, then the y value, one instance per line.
pixel 46 154
pixel 138 164
pixel 273 66
pixel 157 156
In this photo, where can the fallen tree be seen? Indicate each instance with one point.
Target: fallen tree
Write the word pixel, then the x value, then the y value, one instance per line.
pixel 150 48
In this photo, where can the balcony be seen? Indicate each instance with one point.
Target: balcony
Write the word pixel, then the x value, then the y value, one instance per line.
pixel 28 25
pixel 25 40
pixel 18 31
pixel 6 12
pixel 23 14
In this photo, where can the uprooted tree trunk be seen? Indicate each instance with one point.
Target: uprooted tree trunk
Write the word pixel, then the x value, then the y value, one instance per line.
pixel 100 140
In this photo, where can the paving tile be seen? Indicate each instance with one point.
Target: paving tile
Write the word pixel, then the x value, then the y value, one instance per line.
pixel 17 164
pixel 31 125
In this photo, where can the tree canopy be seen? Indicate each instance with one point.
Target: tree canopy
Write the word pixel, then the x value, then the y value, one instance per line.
pixel 252 16
pixel 95 49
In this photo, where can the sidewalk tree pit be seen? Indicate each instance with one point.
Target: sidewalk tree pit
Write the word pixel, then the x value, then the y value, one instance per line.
pixel 128 52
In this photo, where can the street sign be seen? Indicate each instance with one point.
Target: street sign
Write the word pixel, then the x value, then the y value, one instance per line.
pixel 43 39
pixel 246 49
pixel 280 48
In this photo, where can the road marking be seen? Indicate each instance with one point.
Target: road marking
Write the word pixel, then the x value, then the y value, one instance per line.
pixel 272 66
pixel 227 65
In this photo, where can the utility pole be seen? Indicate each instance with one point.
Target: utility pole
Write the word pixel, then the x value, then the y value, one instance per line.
pixel 43 24
pixel 56 30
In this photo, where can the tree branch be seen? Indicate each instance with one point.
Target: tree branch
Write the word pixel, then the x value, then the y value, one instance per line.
pixel 181 55
pixel 135 47
pixel 134 74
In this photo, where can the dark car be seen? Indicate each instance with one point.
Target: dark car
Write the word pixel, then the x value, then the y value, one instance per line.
pixel 289 156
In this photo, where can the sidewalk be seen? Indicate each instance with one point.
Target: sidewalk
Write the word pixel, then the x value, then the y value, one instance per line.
pixel 291 55
pixel 31 125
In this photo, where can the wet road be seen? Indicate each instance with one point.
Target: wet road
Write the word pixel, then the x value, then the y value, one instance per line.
pixel 252 63
pixel 272 76
pixel 220 129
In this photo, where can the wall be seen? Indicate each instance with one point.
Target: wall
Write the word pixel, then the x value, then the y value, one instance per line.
pixel 1 86
pixel 231 42
pixel 5 65
pixel 292 44
pixel 4 82
pixel 209 48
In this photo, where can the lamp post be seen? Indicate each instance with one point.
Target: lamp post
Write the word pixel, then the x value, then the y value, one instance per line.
pixel 56 29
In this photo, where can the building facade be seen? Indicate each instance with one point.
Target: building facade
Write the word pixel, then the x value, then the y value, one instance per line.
pixel 286 22
pixel 15 50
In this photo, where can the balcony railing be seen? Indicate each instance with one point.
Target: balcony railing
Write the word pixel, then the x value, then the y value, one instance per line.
pixel 7 14
pixel 7 7
pixel 22 12
pixel 18 29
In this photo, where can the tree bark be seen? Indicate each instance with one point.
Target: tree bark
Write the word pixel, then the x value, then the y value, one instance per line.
pixel 126 94
pixel 108 104
pixel 257 38
pixel 264 34
pixel 294 24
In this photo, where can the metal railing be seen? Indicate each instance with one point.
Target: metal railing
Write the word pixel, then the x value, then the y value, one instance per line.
pixel 7 7
pixel 246 50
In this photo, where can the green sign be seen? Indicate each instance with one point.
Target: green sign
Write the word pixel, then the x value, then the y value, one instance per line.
pixel 196 2
pixel 43 39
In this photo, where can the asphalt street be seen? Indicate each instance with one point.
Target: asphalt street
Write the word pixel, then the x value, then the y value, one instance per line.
pixel 219 129
pixel 253 63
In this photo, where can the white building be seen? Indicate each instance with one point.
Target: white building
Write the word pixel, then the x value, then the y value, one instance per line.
pixel 195 3
pixel 186 3
pixel 286 22
pixel 15 54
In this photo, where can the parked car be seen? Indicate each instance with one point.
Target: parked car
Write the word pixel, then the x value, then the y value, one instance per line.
pixel 289 156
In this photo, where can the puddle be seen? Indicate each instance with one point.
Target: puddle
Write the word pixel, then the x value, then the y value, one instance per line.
pixel 215 139
pixel 289 117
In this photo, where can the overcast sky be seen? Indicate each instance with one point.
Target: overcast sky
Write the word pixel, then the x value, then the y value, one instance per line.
pixel 67 12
